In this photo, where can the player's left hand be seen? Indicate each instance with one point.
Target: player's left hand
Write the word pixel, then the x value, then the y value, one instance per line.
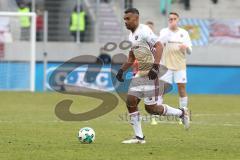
pixel 153 73
pixel 183 48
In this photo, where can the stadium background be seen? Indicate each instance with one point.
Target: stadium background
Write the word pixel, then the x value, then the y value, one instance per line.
pixel 30 129
pixel 213 67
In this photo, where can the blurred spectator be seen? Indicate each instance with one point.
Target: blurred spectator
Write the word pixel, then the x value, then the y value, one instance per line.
pixel 19 2
pixel 103 59
pixel 78 23
pixel 24 21
pixel 104 1
pixel 165 5
pixel 128 4
pixel 39 25
pixel 104 56
pixel 215 1
pixel 25 2
pixel 106 59
pixel 187 4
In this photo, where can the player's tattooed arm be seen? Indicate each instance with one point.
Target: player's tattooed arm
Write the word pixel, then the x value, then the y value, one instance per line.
pixel 125 66
pixel 153 73
pixel 158 55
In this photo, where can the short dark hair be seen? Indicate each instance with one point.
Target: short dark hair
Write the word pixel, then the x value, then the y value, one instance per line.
pixel 132 10
pixel 149 22
pixel 174 13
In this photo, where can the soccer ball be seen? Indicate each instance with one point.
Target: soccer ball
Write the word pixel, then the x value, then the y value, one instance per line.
pixel 86 135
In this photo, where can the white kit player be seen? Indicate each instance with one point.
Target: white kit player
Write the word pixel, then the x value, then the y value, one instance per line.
pixel 177 44
pixel 144 84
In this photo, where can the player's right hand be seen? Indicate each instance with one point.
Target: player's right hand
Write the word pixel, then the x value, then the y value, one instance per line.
pixel 120 75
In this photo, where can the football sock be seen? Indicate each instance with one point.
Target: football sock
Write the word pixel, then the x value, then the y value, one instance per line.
pixel 160 100
pixel 170 111
pixel 135 121
pixel 183 102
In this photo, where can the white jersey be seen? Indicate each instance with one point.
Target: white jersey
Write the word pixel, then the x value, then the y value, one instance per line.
pixel 143 39
pixel 172 57
pixel 143 36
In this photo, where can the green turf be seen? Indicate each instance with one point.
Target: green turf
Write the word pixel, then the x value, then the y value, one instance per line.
pixel 29 130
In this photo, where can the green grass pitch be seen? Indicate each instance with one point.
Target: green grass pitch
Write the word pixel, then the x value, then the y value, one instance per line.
pixel 29 130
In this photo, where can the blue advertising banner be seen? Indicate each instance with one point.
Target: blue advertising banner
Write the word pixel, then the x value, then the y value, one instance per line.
pixel 14 76
pixel 101 81
pixel 201 79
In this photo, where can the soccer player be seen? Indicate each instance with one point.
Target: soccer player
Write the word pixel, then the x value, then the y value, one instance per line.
pixel 150 24
pixel 143 84
pixel 177 44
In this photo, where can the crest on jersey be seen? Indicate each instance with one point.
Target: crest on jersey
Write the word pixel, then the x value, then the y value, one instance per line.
pixel 181 35
pixel 136 37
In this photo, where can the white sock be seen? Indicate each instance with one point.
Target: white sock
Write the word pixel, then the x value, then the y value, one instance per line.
pixel 170 111
pixel 160 100
pixel 135 121
pixel 183 102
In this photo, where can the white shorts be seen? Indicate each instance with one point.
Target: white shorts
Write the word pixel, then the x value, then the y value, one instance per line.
pixel 176 76
pixel 142 87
